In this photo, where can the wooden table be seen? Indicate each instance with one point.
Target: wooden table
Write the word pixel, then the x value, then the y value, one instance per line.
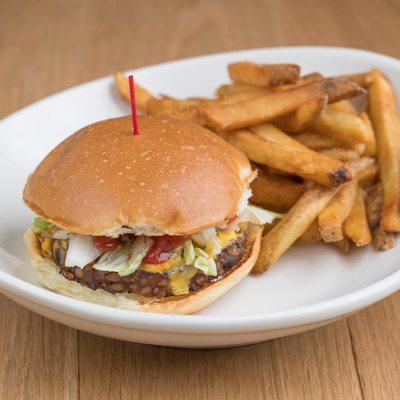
pixel 46 46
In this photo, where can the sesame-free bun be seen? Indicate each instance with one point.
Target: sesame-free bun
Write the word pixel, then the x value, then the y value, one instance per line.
pixel 175 177
pixel 48 275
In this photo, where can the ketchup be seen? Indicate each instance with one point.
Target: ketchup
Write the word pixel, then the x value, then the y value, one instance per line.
pixel 105 243
pixel 162 248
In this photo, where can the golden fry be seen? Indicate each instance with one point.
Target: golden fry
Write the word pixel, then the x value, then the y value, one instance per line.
pixel 276 104
pixel 385 120
pixel 311 235
pixel 268 145
pixel 275 193
pixel 343 106
pixel 250 73
pixel 301 118
pixel 381 239
pixel 315 141
pixel 331 219
pixel 292 226
pixel 167 105
pixel 343 245
pixel 314 76
pixel 234 88
pixel 142 95
pixel 341 154
pixel 345 128
pixel 356 225
pixel 361 79
pixel 188 114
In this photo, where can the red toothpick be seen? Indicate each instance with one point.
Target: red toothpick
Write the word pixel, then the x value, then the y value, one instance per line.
pixel 133 105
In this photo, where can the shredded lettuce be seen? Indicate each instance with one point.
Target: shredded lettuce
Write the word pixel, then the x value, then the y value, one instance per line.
pixel 40 224
pixel 139 249
pixel 126 258
pixel 205 263
pixel 114 260
pixel 188 253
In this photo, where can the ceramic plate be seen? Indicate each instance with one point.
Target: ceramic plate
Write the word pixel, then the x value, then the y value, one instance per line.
pixel 308 287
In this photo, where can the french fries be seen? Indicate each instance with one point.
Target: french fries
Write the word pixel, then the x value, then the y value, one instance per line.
pixel 331 219
pixel 343 106
pixel 270 146
pixel 314 141
pixel 341 154
pixel 345 128
pixel 292 226
pixel 356 224
pixel 302 118
pixel 385 120
pixel 250 73
pixel 277 104
pixel 317 151
pixel 382 240
pixel 311 235
pixel 361 79
pixel 275 193
pixel 142 95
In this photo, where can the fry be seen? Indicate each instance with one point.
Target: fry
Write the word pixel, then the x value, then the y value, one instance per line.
pixel 292 226
pixel 276 104
pixel 234 88
pixel 343 245
pixel 268 145
pixel 331 219
pixel 356 225
pixel 311 235
pixel 275 193
pixel 301 118
pixel 370 149
pixel 344 106
pixel 250 73
pixel 361 79
pixel 188 114
pixel 341 154
pixel 385 120
pixel 314 76
pixel 315 141
pixel 381 239
pixel 167 105
pixel 142 95
pixel 346 128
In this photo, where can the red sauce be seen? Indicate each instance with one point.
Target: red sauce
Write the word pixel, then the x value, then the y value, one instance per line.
pixel 162 248
pixel 105 243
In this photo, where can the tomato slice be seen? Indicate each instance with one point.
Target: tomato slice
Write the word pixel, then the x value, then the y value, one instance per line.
pixel 162 248
pixel 105 243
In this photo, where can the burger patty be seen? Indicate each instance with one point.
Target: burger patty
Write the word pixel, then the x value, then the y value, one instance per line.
pixel 150 284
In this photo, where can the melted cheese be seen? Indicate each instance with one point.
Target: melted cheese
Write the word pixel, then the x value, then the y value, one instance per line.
pixel 179 281
pixel 167 265
pixel 227 237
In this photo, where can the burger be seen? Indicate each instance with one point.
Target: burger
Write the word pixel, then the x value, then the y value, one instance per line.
pixel 156 222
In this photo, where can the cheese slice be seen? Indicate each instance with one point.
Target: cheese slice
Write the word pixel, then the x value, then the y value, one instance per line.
pixel 167 265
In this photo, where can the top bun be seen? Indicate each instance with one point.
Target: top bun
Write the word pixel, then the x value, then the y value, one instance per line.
pixel 175 177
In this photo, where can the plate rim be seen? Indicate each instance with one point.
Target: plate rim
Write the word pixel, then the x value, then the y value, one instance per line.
pixel 257 322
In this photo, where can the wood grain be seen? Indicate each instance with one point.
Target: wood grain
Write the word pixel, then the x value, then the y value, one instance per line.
pixel 49 45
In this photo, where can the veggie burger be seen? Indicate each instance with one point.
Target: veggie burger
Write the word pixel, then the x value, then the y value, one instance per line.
pixel 156 222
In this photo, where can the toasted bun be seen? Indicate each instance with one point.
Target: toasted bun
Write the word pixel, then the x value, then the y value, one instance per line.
pixel 48 275
pixel 175 177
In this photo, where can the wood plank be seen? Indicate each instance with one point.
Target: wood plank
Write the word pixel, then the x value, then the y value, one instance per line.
pixel 375 336
pixel 314 365
pixel 39 358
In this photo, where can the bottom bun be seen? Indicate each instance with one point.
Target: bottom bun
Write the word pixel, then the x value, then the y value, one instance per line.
pixel 49 276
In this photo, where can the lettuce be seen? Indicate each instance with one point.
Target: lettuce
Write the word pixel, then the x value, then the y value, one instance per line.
pixel 188 252
pixel 205 263
pixel 40 224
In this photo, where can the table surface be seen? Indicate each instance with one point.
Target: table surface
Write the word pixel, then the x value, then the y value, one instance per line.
pixel 47 46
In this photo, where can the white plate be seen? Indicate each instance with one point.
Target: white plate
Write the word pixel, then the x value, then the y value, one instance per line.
pixel 308 287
